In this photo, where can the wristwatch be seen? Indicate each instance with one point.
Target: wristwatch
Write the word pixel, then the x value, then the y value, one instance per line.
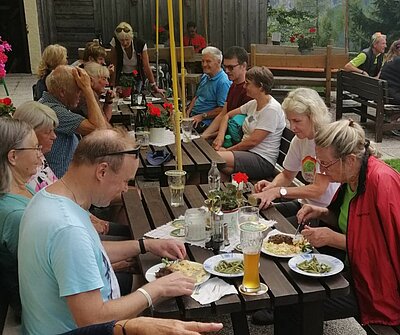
pixel 204 116
pixel 283 192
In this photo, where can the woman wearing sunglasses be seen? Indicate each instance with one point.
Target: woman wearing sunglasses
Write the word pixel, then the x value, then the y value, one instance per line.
pixel 306 113
pixel 128 54
pixel 365 222
pixel 19 158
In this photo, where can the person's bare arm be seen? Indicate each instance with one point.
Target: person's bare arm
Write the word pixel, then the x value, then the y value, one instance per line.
pixel 214 126
pixel 255 138
pixel 223 126
pixel 351 68
pixel 95 119
pixel 149 73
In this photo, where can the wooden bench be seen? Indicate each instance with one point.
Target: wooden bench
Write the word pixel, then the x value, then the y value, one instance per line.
pixel 367 92
pixel 292 68
pixel 382 330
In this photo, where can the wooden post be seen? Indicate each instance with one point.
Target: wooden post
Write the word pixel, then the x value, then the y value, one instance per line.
pixel 253 55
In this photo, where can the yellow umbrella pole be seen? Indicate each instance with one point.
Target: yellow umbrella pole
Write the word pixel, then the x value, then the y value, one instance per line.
pixel 157 24
pixel 175 85
pixel 183 70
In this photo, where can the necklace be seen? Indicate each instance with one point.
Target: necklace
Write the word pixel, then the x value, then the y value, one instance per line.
pixel 73 194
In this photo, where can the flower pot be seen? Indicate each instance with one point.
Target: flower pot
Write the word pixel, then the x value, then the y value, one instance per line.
pixel 157 135
pixel 126 92
pixel 231 217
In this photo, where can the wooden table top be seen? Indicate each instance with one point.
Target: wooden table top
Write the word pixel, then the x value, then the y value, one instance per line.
pixel 286 288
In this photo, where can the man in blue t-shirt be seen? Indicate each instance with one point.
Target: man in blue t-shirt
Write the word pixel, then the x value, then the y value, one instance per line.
pixel 65 273
pixel 212 91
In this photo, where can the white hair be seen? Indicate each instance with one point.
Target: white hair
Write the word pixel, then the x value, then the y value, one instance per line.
pixel 213 51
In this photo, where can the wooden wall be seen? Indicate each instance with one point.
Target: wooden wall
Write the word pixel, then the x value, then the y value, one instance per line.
pixel 73 22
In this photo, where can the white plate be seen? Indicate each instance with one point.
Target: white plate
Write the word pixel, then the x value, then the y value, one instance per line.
pixel 153 99
pixel 211 262
pixel 267 252
pixel 151 273
pixel 335 264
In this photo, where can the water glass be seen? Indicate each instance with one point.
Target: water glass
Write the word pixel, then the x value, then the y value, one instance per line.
pixel 251 239
pixel 249 213
pixel 195 224
pixel 187 127
pixel 142 137
pixel 176 183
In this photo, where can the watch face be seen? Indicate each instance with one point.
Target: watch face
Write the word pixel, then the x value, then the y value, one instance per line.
pixel 283 191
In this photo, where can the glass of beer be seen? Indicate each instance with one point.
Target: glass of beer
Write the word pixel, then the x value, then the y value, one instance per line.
pixel 249 213
pixel 251 239
pixel 176 183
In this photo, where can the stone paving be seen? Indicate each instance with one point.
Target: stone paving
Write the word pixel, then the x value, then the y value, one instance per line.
pixel 20 89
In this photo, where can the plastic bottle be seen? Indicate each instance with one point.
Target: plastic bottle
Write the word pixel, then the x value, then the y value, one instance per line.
pixel 228 141
pixel 214 178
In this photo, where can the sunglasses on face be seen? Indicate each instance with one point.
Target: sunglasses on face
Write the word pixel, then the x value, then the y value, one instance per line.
pixel 134 152
pixel 125 29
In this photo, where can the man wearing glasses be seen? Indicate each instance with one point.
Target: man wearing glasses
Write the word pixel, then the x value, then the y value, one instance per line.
pixel 211 92
pixel 235 66
pixel 66 278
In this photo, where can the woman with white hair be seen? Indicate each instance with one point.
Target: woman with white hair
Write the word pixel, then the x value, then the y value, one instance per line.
pixel 306 113
pixel 129 53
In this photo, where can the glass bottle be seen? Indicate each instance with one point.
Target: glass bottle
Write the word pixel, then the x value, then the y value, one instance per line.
pixel 214 178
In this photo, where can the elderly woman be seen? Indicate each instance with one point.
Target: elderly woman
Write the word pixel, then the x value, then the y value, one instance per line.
pixel 306 112
pixel 129 53
pixel 19 158
pixel 52 56
pixel 99 76
pixel 258 151
pixel 365 222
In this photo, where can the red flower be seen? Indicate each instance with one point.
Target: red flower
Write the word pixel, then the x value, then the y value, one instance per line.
pixel 155 111
pixel 292 39
pixel 135 72
pixel 168 106
pixel 6 101
pixel 240 177
pixel 312 30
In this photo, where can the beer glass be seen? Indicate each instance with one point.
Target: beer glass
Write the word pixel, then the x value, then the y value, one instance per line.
pixel 249 214
pixel 251 239
pixel 176 183
pixel 187 126
pixel 195 224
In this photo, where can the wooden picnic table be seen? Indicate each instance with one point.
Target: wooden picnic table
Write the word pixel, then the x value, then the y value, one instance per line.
pixel 290 294
pixel 197 155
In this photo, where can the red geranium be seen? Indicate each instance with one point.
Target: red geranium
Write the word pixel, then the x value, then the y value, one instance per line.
pixel 6 107
pixel 135 72
pixel 313 30
pixel 240 177
pixel 168 106
pixel 6 101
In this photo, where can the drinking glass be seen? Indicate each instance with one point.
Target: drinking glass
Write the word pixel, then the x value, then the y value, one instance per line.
pixel 142 136
pixel 187 127
pixel 249 213
pixel 176 183
pixel 251 239
pixel 195 224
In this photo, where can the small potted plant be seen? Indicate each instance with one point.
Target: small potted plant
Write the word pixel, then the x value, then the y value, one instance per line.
pixel 127 83
pixel 305 41
pixel 156 120
pixel 6 107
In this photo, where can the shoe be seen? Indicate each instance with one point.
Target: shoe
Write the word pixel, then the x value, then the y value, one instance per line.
pixel 396 132
pixel 263 317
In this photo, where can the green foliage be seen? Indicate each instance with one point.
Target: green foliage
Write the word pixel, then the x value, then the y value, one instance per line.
pixel 230 197
pixel 289 22
pixel 381 15
pixel 394 163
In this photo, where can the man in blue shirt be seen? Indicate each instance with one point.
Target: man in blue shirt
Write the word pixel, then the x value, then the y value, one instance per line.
pixel 212 91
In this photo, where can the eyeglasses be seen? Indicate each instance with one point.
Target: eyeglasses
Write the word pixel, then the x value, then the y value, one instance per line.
pixel 125 29
pixel 37 148
pixel 230 67
pixel 134 152
pixel 329 164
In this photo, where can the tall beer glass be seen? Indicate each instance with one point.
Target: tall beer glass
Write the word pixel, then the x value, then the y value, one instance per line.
pixel 176 183
pixel 251 238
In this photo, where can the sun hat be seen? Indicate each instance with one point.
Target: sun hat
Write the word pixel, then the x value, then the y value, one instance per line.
pixel 158 157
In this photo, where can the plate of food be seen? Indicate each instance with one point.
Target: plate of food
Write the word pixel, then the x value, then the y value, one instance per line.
pixel 188 268
pixel 316 265
pixel 225 265
pixel 284 245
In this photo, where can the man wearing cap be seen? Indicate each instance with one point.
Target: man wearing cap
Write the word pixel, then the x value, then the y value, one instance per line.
pixel 212 91
pixel 369 61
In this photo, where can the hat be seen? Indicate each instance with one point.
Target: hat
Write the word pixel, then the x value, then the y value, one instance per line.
pixel 158 157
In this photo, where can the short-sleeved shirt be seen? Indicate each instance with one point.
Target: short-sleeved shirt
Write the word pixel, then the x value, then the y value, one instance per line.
pixel 198 42
pixel 301 157
pixel 67 140
pixel 211 93
pixel 271 119
pixel 237 96
pixel 12 207
pixel 60 254
pixel 43 177
pixel 129 64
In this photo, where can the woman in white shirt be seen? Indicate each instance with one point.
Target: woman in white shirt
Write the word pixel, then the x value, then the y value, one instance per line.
pixel 130 58
pixel 258 151
pixel 306 112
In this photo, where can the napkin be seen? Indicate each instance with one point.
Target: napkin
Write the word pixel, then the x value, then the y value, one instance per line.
pixel 212 290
